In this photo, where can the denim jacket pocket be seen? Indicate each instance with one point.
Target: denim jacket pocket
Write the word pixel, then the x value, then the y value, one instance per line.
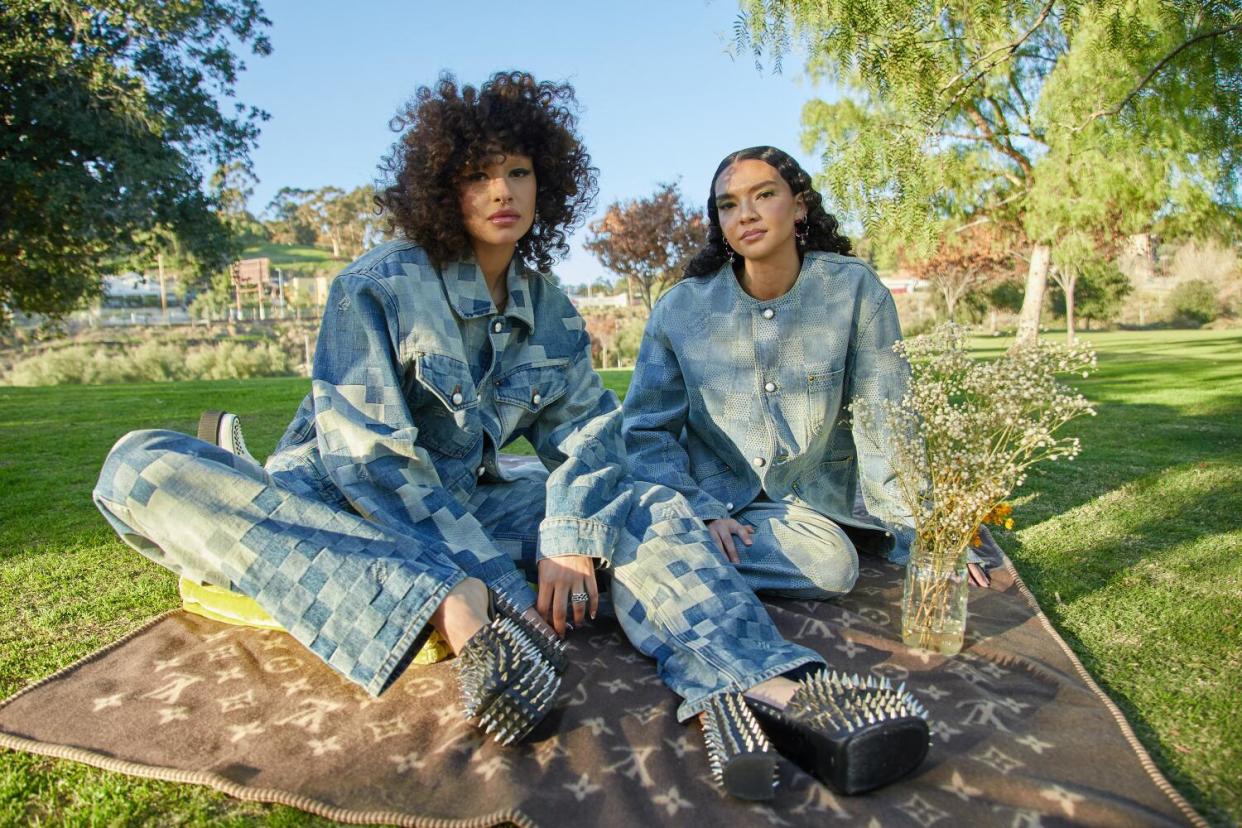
pixel 449 422
pixel 525 391
pixel 828 481
pixel 823 397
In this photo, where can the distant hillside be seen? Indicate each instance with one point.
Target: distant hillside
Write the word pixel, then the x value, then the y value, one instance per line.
pixel 295 259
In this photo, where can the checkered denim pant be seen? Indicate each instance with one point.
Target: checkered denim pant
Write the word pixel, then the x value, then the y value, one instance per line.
pixel 360 596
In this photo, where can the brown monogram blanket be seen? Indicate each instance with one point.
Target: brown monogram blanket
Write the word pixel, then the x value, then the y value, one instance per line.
pixel 1021 736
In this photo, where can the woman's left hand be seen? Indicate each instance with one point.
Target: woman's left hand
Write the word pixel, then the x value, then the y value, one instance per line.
pixel 978 575
pixel 560 577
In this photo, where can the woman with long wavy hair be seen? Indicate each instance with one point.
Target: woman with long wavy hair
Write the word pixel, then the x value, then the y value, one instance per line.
pixel 740 401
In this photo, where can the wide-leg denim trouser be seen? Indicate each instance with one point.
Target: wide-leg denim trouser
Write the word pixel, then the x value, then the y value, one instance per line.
pixel 359 596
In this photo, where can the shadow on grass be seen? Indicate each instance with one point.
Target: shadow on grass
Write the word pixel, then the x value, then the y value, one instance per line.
pixel 1103 566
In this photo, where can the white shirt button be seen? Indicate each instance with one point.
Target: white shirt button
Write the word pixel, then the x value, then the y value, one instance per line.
pixel 769 387
pixel 481 470
pixel 759 462
pixel 457 398
pixel 729 506
pixel 498 327
pixel 768 313
pixel 538 398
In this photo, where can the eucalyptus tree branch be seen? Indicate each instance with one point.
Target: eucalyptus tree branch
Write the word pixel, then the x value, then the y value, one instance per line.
pixel 1155 70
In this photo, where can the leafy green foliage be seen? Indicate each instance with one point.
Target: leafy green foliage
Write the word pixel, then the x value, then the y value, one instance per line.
pixel 1043 116
pixel 110 112
pixel 151 361
pixel 1005 295
pixel 1194 302
pixel 1098 292
pixel 345 222
pixel 954 105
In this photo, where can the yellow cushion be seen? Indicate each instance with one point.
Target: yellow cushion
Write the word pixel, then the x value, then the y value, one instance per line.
pixel 232 608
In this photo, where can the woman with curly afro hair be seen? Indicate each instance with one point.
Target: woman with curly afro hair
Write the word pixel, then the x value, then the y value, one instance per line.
pixel 739 401
pixel 385 512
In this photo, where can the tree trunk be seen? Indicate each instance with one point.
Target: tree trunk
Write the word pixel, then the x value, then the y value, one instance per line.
pixel 1033 297
pixel 159 260
pixel 644 293
pixel 1068 286
pixel 992 322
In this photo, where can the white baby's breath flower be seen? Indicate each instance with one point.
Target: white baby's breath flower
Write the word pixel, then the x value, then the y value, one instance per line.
pixel 966 430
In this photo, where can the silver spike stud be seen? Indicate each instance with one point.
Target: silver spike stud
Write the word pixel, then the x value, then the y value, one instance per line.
pixel 738 752
pixel 505 680
pixel 550 646
pixel 855 734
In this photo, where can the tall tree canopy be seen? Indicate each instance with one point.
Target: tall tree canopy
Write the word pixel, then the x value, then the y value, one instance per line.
pixel 1053 116
pixel 648 240
pixel 344 222
pixel 112 116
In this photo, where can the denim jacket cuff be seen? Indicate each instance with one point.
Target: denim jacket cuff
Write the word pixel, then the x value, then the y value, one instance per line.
pixel 560 536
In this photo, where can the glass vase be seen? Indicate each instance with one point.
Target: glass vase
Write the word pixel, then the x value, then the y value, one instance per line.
pixel 933 603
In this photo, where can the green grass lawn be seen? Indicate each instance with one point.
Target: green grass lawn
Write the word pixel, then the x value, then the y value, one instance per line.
pixel 1134 551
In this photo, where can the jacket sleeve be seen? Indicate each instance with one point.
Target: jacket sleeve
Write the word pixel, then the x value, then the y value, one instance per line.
pixel 578 438
pixel 656 408
pixel 879 375
pixel 365 431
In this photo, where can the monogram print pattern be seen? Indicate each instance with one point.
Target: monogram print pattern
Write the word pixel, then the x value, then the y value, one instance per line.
pixel 1019 738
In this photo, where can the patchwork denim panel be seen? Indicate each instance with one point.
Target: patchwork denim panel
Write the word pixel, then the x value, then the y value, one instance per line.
pixel 733 396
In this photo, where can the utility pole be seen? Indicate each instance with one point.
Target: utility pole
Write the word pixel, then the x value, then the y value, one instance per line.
pixel 159 263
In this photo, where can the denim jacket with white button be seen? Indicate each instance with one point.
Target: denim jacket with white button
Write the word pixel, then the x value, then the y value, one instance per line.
pixel 418 380
pixel 733 396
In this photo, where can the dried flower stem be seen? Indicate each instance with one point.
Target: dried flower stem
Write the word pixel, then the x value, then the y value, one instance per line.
pixel 964 435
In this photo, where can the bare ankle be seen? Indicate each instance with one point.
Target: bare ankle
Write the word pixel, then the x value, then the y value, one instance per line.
pixel 462 613
pixel 776 691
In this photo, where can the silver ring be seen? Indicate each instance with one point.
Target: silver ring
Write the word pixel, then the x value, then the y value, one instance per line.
pixel 578 597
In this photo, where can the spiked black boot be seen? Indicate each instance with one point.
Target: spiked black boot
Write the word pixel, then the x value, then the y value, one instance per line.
pixel 505 681
pixel 741 759
pixel 550 646
pixel 855 735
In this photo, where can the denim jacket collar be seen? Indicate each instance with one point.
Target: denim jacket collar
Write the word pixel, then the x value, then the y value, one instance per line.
pixel 726 276
pixel 466 287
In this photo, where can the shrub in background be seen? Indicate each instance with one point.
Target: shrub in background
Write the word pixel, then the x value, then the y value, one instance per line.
pixel 1194 302
pixel 155 362
pixel 233 360
pixel 151 361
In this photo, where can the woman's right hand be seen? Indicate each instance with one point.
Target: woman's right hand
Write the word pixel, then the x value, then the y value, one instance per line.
pixel 722 531
pixel 560 578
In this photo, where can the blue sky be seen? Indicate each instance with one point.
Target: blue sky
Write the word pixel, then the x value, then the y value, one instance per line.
pixel 661 98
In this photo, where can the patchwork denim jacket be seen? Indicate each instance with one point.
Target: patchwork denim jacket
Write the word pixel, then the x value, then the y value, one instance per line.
pixel 732 396
pixel 418 381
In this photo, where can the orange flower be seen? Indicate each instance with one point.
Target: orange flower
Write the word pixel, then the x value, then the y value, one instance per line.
pixel 999 516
